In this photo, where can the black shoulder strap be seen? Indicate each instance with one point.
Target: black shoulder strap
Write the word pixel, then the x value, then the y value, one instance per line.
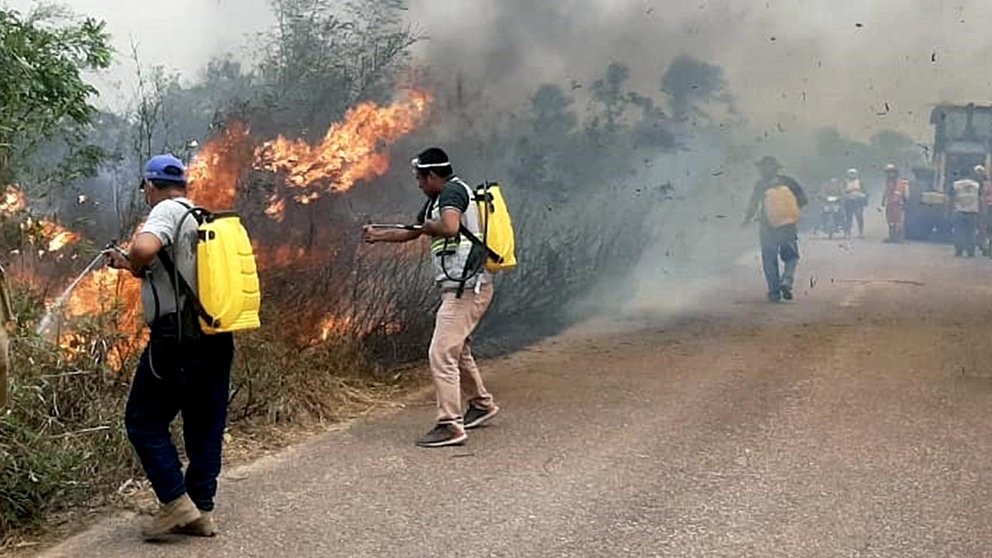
pixel 475 197
pixel 478 241
pixel 173 273
pixel 170 270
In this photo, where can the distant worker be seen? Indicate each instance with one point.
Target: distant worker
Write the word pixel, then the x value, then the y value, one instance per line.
pixel 449 209
pixel 854 203
pixel 780 199
pixel 894 201
pixel 985 211
pixel 831 209
pixel 964 197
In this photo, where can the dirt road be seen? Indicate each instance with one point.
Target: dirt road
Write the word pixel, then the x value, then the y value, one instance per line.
pixel 854 421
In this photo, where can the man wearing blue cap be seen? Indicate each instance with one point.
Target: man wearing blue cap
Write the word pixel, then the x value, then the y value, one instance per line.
pixel 181 369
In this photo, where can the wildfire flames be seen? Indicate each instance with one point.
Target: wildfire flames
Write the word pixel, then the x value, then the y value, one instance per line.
pixel 12 201
pixel 52 236
pixel 351 151
pixel 98 294
pixel 332 325
pixel 215 172
pixel 57 236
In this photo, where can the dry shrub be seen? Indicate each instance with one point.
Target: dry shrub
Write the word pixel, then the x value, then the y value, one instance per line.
pixel 274 382
pixel 61 439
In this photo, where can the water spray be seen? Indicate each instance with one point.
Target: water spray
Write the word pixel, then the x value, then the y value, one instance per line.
pixel 46 322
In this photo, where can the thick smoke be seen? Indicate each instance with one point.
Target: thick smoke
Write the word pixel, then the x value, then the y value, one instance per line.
pixel 690 82
pixel 861 66
pixel 823 85
pixel 789 62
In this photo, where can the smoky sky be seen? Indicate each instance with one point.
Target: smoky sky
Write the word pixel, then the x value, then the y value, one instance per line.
pixel 859 65
pixel 855 64
pixel 179 35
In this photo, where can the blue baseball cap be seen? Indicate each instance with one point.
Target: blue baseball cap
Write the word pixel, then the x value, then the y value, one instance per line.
pixel 167 168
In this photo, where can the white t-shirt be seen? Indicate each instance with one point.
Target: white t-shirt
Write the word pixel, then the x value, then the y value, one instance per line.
pixel 162 222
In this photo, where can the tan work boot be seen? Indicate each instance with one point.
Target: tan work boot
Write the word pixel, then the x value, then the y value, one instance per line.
pixel 204 526
pixel 179 512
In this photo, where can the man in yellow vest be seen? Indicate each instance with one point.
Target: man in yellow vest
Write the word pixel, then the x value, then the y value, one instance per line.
pixel 964 196
pixel 780 199
pixel 466 291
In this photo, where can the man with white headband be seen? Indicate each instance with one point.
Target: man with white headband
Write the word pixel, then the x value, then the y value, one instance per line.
pixel 466 292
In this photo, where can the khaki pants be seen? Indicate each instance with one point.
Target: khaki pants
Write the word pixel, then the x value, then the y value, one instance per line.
pixel 453 369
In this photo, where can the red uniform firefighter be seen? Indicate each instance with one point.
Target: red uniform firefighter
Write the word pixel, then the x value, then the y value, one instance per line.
pixel 894 202
pixel 985 211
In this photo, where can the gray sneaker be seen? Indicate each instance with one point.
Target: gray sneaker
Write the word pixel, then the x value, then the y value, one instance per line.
pixel 443 435
pixel 477 416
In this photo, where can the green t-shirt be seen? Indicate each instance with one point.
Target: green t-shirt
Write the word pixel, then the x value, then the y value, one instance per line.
pixel 453 195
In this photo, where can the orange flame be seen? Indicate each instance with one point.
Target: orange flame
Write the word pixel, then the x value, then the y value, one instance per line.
pixel 54 236
pixel 12 201
pixel 349 152
pixel 61 239
pixel 333 325
pixel 215 172
pixel 94 296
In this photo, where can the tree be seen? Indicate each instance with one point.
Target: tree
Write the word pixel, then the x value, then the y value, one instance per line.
pixel 608 93
pixel 42 56
pixel 322 58
pixel 691 82
pixel 551 113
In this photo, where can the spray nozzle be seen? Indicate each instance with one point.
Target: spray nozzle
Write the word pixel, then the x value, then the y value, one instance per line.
pixel 113 247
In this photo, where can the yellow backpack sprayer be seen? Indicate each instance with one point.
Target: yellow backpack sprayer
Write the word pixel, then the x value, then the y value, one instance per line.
pixel 497 228
pixel 227 277
pixel 494 251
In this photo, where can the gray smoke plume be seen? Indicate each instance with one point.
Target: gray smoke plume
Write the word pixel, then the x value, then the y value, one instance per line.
pixel 862 66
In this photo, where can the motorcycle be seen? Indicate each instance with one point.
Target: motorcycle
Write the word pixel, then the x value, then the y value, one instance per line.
pixel 831 216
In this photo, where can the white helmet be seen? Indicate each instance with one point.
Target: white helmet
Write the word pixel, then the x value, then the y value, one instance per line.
pixel 852 173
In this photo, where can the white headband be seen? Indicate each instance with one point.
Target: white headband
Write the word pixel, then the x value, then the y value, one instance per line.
pixel 416 163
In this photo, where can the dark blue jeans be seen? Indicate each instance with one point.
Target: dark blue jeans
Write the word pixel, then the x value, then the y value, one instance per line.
pixel 965 233
pixel 191 378
pixel 783 243
pixel 854 210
